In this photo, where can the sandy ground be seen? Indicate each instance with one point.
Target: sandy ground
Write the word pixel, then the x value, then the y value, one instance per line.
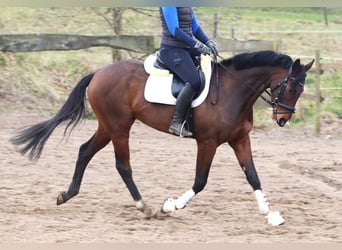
pixel 301 175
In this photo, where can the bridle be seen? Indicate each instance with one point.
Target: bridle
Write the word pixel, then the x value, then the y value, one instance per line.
pixel 277 100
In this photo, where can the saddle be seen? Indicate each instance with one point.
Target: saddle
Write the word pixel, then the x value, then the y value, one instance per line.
pixel 163 87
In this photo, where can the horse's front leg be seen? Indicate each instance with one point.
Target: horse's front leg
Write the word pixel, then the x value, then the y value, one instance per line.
pixel 205 153
pixel 242 149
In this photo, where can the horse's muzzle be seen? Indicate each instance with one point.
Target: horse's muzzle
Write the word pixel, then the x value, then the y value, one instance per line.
pixel 281 122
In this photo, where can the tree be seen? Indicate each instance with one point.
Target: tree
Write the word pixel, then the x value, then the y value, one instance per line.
pixel 114 18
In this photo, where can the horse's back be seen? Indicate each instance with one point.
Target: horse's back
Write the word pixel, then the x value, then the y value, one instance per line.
pixel 114 79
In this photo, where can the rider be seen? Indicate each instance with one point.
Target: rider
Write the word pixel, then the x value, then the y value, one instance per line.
pixel 178 48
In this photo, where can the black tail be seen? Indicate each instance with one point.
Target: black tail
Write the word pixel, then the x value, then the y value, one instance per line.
pixel 73 111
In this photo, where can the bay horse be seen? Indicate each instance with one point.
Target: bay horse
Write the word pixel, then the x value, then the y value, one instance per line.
pixel 115 93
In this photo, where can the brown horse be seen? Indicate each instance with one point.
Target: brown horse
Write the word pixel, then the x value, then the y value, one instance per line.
pixel 116 96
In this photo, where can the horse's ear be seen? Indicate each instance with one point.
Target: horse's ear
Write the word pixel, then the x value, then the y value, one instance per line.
pixel 309 65
pixel 296 66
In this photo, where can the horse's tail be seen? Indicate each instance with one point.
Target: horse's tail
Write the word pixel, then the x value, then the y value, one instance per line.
pixel 73 111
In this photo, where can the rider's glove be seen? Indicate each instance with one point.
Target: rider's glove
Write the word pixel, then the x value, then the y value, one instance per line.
pixel 212 46
pixel 202 48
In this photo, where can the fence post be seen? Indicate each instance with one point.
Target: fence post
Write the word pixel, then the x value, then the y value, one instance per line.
pixel 233 37
pixel 215 25
pixel 276 45
pixel 299 114
pixel 232 34
pixel 325 13
pixel 318 94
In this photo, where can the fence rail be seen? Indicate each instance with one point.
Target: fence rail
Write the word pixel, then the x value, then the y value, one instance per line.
pixel 287 31
pixel 322 58
pixel 45 42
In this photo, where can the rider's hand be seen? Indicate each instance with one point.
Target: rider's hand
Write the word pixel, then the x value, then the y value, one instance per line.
pixel 202 48
pixel 212 45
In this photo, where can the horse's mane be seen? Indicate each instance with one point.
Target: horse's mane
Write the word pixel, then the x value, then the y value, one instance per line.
pixel 259 58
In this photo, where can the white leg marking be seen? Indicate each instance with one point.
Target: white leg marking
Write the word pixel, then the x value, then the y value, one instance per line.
pixel 140 205
pixel 184 199
pixel 263 203
pixel 273 217
pixel 171 205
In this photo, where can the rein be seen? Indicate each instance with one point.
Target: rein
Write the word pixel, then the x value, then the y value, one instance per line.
pixel 277 100
pixel 214 102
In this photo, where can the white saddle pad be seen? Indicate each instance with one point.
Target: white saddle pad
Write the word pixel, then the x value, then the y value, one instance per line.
pixel 158 85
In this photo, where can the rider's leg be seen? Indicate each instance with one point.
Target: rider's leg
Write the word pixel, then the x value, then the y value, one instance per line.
pixel 180 62
pixel 184 100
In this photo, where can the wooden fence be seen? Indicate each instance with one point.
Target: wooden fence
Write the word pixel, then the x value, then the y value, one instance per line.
pixel 145 44
pixel 44 42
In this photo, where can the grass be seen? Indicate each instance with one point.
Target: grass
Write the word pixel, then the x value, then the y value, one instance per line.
pixel 50 75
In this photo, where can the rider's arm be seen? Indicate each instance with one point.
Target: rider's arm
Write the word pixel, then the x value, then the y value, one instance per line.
pixel 170 15
pixel 197 30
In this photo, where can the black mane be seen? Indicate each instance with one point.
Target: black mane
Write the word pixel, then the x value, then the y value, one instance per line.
pixel 259 58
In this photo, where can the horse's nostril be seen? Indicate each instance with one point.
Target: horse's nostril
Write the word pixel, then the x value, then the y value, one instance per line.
pixel 282 122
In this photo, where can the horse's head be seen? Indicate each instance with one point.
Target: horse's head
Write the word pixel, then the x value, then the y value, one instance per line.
pixel 286 93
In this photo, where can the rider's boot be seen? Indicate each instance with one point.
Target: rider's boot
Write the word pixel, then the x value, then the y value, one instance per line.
pixel 183 102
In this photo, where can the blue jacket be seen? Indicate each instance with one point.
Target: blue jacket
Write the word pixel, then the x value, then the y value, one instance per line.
pixel 180 27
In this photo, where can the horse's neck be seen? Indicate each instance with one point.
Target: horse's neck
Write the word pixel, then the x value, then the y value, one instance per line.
pixel 248 85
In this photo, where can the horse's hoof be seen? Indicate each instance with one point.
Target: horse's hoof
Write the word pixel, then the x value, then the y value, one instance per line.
pixel 169 206
pixel 275 219
pixel 148 211
pixel 60 198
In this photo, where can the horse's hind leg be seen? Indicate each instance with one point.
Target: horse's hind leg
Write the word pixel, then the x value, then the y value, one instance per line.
pixel 123 166
pixel 86 152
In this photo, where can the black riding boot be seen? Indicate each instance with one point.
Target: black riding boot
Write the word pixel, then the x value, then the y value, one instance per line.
pixel 183 102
